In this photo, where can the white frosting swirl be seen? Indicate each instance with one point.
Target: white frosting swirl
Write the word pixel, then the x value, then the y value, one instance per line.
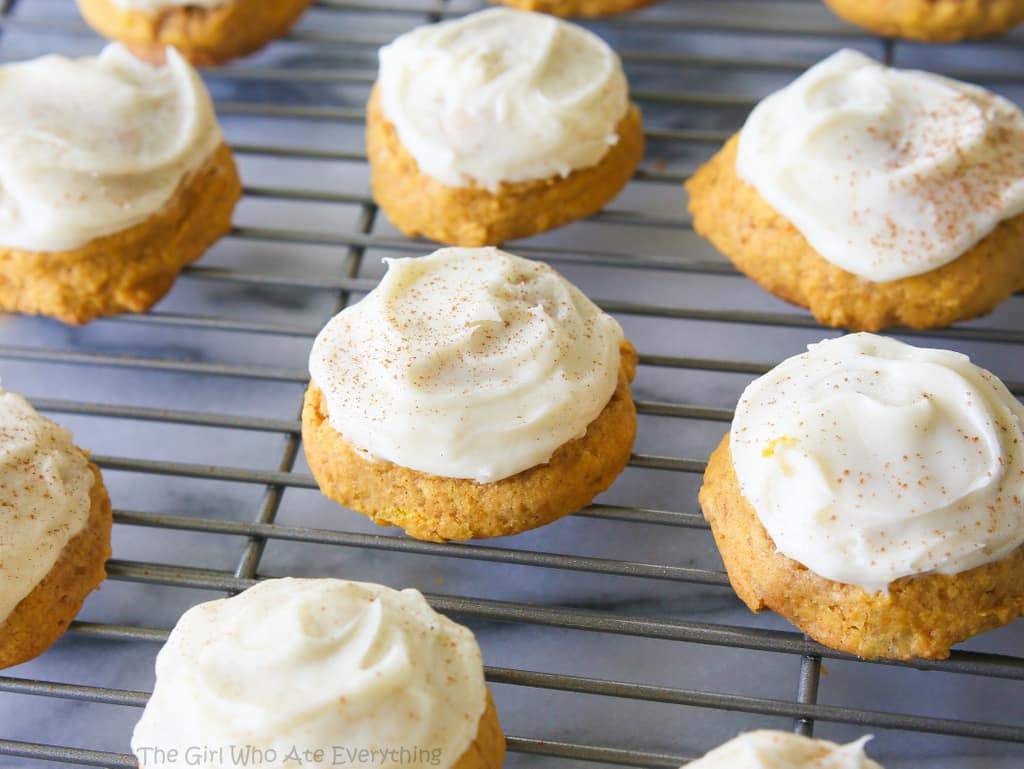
pixel 468 363
pixel 868 460
pixel 152 6
pixel 887 173
pixel 44 497
pixel 502 96
pixel 333 671
pixel 766 749
pixel 93 146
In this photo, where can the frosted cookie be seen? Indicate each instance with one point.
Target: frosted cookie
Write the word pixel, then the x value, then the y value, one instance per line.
pixel 115 176
pixel 873 196
pixel 206 32
pixel 471 394
pixel 770 749
pixel 55 525
pixel 497 126
pixel 578 7
pixel 931 20
pixel 873 494
pixel 320 673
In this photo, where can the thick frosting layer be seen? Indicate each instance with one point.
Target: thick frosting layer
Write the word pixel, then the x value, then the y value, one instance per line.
pixel 329 671
pixel 867 460
pixel 765 749
pixel 502 96
pixel 44 497
pixel 468 363
pixel 93 146
pixel 887 173
pixel 152 6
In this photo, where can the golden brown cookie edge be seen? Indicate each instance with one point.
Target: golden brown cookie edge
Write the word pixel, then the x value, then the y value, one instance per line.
pixel 932 21
pixel 767 248
pixel 130 270
pixel 418 204
pixel 438 509
pixel 203 36
pixel 42 617
pixel 920 617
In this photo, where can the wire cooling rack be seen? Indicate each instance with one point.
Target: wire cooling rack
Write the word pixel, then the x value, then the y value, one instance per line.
pixel 612 636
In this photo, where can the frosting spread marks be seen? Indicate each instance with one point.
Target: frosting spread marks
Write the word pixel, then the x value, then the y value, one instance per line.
pixel 887 173
pixel 342 672
pixel 502 96
pixel 467 363
pixel 868 460
pixel 92 146
pixel 44 497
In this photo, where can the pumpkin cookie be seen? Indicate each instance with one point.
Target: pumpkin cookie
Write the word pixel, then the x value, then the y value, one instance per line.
pixel 471 394
pixel 55 525
pixel 152 182
pixel 871 493
pixel 835 204
pixel 585 8
pixel 931 20
pixel 328 671
pixel 206 32
pixel 477 133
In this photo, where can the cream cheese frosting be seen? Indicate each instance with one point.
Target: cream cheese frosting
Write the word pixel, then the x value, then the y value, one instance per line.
pixel 93 146
pixel 867 460
pixel 44 497
pixel 766 749
pixel 887 173
pixel 467 363
pixel 502 96
pixel 332 671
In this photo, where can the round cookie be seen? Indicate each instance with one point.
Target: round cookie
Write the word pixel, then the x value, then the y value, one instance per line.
pixel 332 671
pixel 584 8
pixel 149 201
pixel 931 20
pixel 873 196
pixel 435 508
pixel 767 248
pixel 68 553
pixel 471 394
pixel 523 145
pixel 206 33
pixel 892 478
pixel 921 616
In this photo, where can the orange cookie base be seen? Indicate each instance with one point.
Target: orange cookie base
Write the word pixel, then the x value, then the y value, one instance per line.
pixel 583 8
pixel 204 36
pixel 418 204
pixel 130 270
pixel 931 20
pixel 766 247
pixel 434 508
pixel 921 616
pixel 43 615
pixel 488 749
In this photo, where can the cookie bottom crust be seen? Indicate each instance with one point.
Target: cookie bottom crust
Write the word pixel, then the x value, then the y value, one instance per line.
pixel 931 20
pixel 581 8
pixel 767 248
pixel 130 270
pixel 41 617
pixel 204 36
pixel 921 616
pixel 487 751
pixel 418 204
pixel 433 508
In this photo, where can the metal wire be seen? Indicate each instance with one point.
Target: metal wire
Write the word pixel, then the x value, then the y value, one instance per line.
pixel 804 708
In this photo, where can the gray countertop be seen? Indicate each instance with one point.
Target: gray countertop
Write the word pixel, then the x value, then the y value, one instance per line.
pixel 231 342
